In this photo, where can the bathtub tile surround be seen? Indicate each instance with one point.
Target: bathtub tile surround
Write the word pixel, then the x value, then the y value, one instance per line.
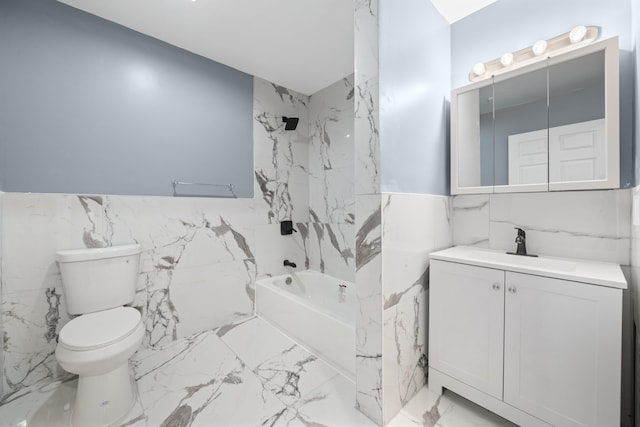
pixel 281 157
pixel 331 181
pixel 591 225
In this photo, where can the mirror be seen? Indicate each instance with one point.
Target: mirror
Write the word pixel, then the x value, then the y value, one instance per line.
pixel 550 126
pixel 475 135
pixel 520 132
pixel 577 145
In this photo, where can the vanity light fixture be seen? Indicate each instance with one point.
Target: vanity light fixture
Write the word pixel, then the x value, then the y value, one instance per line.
pixel 479 69
pixel 541 50
pixel 539 47
pixel 506 59
pixel 577 34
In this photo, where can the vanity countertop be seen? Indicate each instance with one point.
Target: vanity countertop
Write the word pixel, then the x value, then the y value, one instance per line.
pixel 577 270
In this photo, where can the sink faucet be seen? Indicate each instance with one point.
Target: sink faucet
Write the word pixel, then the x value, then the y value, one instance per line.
pixel 521 248
pixel 288 263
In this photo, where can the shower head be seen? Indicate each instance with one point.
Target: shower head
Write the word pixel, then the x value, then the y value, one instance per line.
pixel 291 123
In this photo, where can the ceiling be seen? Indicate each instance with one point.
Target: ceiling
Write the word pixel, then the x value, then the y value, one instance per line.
pixel 455 10
pixel 304 45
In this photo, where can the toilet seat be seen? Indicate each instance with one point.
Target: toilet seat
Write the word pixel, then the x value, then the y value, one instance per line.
pixel 99 329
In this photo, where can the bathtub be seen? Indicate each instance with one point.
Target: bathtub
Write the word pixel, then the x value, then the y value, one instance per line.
pixel 316 310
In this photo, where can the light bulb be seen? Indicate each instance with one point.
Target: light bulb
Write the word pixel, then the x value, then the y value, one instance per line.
pixel 578 33
pixel 539 47
pixel 479 69
pixel 506 59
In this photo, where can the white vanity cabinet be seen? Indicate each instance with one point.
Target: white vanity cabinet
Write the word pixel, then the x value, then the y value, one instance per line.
pixel 537 341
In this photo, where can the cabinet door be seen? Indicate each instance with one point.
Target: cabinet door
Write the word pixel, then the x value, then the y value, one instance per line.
pixel 466 324
pixel 562 350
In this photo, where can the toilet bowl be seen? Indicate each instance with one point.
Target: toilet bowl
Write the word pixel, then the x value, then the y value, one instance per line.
pixel 97 347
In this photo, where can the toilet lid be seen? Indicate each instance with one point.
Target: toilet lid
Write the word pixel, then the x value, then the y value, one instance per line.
pixel 99 329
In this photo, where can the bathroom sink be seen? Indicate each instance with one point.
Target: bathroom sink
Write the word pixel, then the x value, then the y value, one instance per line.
pixel 584 271
pixel 541 263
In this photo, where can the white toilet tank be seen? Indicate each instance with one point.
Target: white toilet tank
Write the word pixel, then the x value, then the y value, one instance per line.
pixel 99 278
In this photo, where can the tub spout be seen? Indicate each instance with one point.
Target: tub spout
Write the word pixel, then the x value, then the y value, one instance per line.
pixel 288 263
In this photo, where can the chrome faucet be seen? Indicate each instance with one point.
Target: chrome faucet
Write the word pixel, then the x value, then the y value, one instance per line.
pixel 521 248
pixel 288 263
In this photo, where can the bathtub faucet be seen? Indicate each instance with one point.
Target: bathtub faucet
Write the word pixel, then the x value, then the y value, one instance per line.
pixel 288 263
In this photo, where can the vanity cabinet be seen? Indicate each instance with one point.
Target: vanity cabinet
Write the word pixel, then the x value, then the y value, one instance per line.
pixel 535 349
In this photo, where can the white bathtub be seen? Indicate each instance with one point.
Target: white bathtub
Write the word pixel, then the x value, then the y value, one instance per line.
pixel 316 310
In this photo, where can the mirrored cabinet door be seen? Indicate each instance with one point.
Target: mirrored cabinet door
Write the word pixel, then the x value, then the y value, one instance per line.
pixel 474 133
pixel 578 140
pixel 521 132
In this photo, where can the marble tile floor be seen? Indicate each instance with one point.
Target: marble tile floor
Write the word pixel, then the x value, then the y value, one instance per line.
pixel 247 374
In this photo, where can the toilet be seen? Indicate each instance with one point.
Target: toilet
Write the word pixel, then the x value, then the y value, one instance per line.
pixel 96 345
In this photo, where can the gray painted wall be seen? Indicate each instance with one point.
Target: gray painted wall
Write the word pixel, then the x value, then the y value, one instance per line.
pixel 506 26
pixel 88 106
pixel 415 81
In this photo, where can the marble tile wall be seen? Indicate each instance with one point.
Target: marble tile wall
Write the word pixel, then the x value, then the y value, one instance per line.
pixel 635 287
pixel 1 329
pixel 369 306
pixel 331 181
pixel 591 225
pixel 368 242
pixel 367 137
pixel 210 248
pixel 413 226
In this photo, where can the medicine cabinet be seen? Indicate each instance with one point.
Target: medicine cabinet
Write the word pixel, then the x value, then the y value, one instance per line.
pixel 550 126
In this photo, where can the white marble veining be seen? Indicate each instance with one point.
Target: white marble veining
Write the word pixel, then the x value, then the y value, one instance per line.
pixel 31 321
pixel 427 409
pixel 50 405
pixel 281 157
pixel 367 140
pixel 200 257
pixel 331 234
pixel 413 227
pixel 331 249
pixel 635 283
pixel 245 374
pixel 591 225
pixel 369 312
pixel 331 196
pixel 2 385
pixel 471 219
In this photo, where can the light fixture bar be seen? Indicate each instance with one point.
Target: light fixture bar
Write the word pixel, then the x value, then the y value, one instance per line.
pixel 540 51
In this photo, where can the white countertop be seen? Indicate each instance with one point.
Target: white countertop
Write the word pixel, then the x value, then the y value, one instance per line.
pixel 577 270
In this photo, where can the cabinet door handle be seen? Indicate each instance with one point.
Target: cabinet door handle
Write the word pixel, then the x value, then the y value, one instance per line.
pixel 496 287
pixel 512 290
